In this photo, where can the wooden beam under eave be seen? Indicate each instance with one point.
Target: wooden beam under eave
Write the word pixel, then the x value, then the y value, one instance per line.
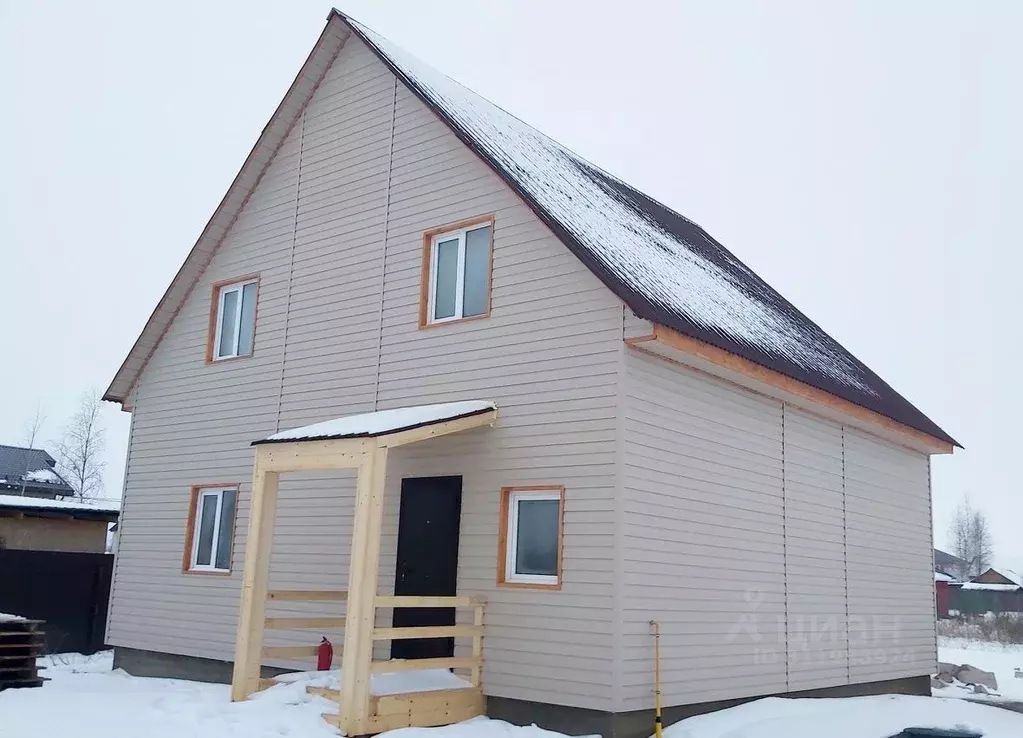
pixel 811 397
pixel 435 430
pixel 342 453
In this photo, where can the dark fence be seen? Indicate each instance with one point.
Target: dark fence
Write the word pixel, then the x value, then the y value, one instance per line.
pixel 69 591
pixel 977 601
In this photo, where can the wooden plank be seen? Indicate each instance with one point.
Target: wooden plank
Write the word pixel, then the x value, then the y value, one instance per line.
pixel 345 453
pixel 334 695
pixel 289 652
pixel 307 595
pixel 427 631
pixel 447 662
pixel 303 623
pixel 428 709
pixel 424 601
pixel 249 641
pixel 363 572
pixel 477 648
pixel 265 684
pixel 390 704
pixel 434 430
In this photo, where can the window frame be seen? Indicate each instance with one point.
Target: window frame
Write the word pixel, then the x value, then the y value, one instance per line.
pixel 428 278
pixel 188 563
pixel 508 535
pixel 220 289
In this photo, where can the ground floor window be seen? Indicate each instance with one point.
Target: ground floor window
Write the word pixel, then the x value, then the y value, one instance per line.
pixel 211 529
pixel 531 536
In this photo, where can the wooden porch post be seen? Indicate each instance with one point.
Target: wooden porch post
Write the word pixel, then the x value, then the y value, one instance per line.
pixel 249 641
pixel 362 591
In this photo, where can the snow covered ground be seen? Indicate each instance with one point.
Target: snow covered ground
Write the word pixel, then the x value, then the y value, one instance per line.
pixel 1001 659
pixel 84 698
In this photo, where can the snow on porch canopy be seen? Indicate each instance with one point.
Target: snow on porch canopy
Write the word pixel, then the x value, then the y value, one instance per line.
pixel 382 422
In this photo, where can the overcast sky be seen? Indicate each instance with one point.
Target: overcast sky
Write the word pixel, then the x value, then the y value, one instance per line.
pixel 864 158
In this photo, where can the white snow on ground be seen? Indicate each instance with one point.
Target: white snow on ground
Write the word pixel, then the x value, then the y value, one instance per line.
pixel 428 680
pixel 6 617
pixel 384 421
pixel 851 717
pixel 657 263
pixel 97 505
pixel 85 699
pixel 1000 659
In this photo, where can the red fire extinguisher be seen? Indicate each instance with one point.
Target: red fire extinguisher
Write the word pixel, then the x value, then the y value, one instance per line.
pixel 324 655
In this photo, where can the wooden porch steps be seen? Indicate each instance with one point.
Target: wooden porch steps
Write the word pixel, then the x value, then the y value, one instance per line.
pixel 413 709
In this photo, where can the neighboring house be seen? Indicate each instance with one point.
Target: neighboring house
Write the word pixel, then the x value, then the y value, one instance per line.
pixel 31 472
pixel 952 566
pixel 39 524
pixel 993 580
pixel 672 439
pixel 989 591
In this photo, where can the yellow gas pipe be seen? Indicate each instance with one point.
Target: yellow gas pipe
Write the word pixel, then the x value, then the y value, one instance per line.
pixel 658 727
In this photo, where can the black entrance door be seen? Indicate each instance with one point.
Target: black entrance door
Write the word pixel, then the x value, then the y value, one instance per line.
pixel 427 560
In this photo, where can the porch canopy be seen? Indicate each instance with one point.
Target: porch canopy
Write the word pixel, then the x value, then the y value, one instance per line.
pixel 358 442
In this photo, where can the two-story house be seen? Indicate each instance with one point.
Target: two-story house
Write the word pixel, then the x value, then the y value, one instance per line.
pixel 646 431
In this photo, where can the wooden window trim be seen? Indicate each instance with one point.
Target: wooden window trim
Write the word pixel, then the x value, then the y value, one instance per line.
pixel 211 331
pixel 502 536
pixel 193 507
pixel 424 274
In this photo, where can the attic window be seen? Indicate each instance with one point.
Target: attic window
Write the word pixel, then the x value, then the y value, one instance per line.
pixel 232 319
pixel 456 272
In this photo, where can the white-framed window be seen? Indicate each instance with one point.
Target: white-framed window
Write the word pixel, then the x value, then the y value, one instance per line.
pixel 236 319
pixel 532 555
pixel 212 534
pixel 459 273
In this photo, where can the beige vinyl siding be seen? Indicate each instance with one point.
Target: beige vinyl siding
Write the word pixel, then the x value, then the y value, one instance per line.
pixel 891 581
pixel 704 538
pixel 781 551
pixel 337 333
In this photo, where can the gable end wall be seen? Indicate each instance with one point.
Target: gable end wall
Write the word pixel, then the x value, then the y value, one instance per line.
pixel 335 232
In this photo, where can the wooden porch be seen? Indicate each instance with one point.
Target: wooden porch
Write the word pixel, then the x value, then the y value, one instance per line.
pixel 361 443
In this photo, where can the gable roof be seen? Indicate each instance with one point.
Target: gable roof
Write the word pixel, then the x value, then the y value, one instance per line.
pixel 663 266
pixel 32 468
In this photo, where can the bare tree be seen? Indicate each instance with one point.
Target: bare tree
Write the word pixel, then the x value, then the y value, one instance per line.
pixel 80 452
pixel 34 426
pixel 31 432
pixel 971 539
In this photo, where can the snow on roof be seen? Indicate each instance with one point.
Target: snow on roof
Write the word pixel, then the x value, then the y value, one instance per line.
pixel 940 576
pixel 382 422
pixel 93 505
pixel 8 618
pixel 664 266
pixel 991 587
pixel 44 475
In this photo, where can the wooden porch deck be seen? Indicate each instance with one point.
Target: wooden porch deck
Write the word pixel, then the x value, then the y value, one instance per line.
pixel 420 709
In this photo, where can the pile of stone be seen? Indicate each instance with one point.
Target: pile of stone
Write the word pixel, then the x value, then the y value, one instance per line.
pixel 964 675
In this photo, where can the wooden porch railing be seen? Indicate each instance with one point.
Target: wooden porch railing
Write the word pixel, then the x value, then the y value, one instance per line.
pixel 423 709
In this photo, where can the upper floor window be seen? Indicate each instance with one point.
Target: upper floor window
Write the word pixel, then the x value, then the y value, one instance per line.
pixel 233 319
pixel 457 272
pixel 210 532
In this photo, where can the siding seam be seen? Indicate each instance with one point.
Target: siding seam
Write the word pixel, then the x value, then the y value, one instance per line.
pixel 930 515
pixel 618 576
pixel 785 552
pixel 291 270
pixel 845 566
pixel 383 258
